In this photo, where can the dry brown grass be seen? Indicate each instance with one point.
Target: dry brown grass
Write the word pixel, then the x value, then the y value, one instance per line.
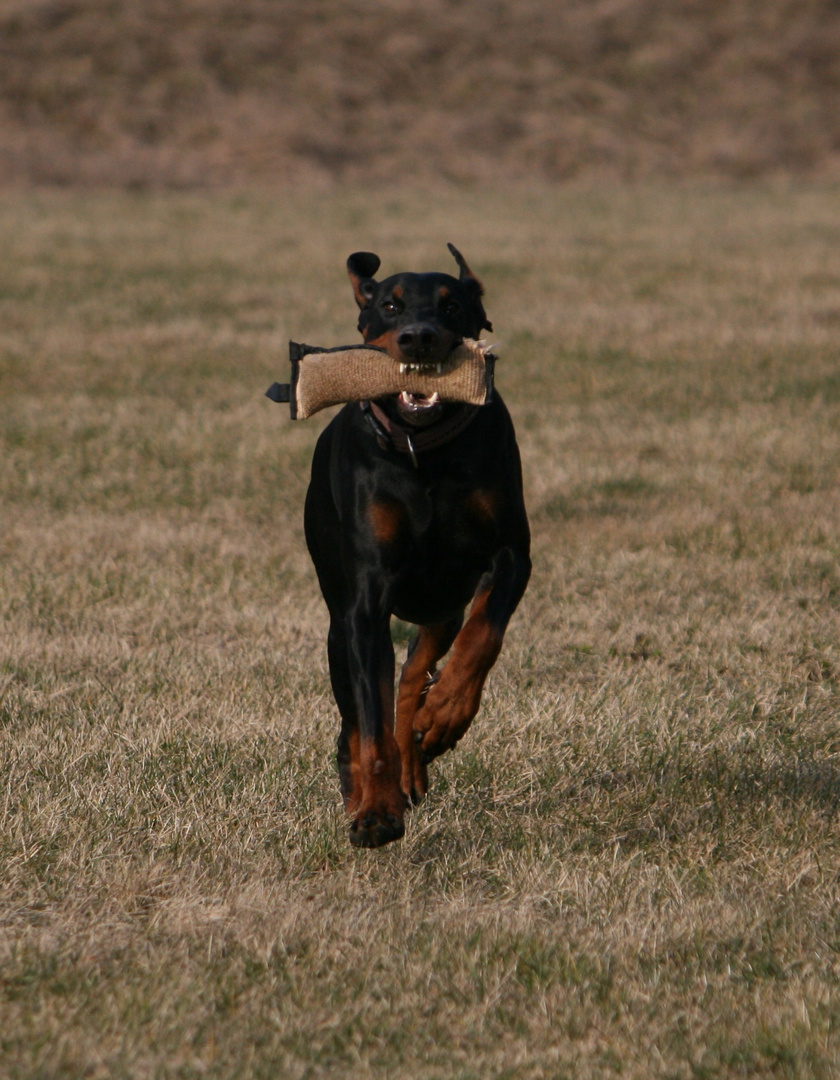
pixel 632 865
pixel 191 92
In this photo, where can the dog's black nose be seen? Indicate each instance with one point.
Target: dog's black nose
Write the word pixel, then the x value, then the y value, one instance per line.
pixel 418 339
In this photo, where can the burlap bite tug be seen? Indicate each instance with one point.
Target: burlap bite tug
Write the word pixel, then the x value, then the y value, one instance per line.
pixel 323 377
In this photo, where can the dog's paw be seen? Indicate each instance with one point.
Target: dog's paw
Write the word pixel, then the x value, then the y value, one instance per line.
pixel 375 829
pixel 435 733
pixel 445 715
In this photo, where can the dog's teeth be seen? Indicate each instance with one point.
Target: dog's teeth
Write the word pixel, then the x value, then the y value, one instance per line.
pixel 403 368
pixel 435 398
pixel 440 368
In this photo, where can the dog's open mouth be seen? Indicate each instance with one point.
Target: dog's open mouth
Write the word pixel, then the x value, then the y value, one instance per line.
pixel 419 408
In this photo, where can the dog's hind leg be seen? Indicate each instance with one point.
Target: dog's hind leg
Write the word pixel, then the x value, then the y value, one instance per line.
pixel 427 647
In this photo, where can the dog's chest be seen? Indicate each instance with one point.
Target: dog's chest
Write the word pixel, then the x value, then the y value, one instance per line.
pixel 445 520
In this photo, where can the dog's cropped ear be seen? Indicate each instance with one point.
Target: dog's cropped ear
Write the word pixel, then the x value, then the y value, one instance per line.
pixel 466 274
pixel 361 266
pixel 467 277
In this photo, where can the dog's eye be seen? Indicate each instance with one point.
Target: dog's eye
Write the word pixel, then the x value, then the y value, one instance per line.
pixel 452 308
pixel 390 307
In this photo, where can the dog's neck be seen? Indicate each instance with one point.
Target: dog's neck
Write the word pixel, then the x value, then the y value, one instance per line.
pixel 412 440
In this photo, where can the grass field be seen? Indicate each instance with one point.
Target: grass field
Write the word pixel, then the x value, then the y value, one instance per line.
pixel 631 867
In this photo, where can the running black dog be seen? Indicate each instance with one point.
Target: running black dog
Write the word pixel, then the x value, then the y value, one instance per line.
pixel 414 509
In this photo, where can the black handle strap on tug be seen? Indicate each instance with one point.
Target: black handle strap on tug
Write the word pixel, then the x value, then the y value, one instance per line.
pixel 279 392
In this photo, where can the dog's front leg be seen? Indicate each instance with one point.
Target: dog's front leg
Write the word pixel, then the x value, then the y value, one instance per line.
pixel 454 698
pixel 362 668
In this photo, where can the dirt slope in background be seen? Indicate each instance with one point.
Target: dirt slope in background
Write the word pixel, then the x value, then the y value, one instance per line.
pixel 189 92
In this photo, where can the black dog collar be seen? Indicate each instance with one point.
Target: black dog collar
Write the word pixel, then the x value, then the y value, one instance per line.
pixel 412 441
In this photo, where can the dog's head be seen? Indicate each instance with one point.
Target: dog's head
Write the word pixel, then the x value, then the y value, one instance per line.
pixel 417 318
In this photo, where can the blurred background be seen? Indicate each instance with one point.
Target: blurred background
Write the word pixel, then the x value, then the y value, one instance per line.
pixel 194 93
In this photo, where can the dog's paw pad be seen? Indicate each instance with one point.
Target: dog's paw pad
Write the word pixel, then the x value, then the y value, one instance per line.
pixel 375 830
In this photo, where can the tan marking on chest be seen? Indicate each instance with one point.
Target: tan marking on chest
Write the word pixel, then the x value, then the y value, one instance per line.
pixel 385 519
pixel 483 504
